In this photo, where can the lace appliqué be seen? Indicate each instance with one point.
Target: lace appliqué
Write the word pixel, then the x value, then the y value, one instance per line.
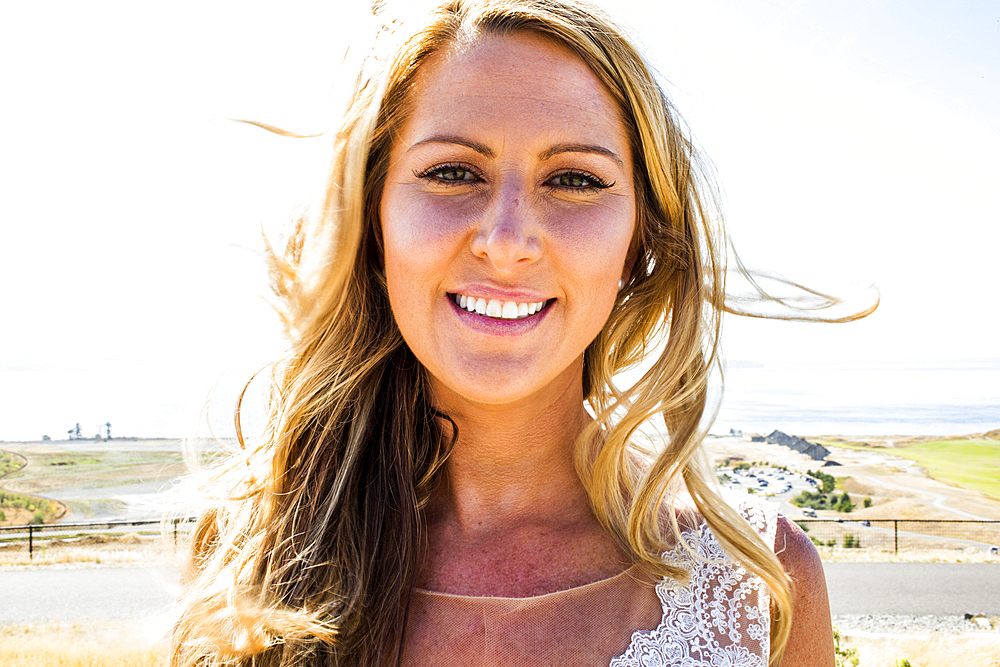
pixel 721 616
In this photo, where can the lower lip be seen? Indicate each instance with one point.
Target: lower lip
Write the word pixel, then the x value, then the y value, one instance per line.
pixel 495 326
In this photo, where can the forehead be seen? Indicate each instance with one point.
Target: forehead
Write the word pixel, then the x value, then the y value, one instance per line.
pixel 507 81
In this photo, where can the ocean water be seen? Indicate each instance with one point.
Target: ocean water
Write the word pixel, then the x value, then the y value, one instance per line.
pixel 861 399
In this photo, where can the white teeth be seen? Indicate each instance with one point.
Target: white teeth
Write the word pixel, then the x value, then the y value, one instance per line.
pixel 507 310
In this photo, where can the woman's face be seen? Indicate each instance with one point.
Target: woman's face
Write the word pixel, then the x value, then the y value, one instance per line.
pixel 507 215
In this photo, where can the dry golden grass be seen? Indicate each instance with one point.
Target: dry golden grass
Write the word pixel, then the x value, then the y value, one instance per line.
pixel 136 550
pixel 80 645
pixel 95 550
pixel 935 650
pixel 967 555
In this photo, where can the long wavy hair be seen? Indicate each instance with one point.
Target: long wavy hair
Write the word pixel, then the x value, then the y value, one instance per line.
pixel 309 555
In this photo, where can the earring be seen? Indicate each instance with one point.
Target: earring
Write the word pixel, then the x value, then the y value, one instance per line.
pixel 621 284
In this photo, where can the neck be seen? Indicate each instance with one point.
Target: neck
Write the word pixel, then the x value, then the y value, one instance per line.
pixel 513 464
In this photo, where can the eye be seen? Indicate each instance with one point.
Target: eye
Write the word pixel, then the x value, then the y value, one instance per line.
pixel 449 174
pixel 577 180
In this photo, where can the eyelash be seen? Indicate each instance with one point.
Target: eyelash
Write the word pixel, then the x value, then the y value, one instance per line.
pixel 595 182
pixel 434 173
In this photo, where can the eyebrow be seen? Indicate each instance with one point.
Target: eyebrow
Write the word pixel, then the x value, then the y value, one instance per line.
pixel 546 154
pixel 461 141
pixel 581 148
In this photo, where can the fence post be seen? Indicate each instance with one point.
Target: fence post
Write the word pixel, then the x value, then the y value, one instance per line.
pixel 895 534
pixel 31 542
pixel 175 533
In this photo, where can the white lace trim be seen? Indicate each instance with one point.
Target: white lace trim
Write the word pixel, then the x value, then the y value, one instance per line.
pixel 721 616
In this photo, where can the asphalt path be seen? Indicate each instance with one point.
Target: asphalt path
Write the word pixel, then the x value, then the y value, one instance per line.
pixel 48 595
pixel 917 589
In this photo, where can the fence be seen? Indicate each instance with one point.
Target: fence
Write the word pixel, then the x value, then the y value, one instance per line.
pixel 876 534
pixel 33 534
pixel 904 534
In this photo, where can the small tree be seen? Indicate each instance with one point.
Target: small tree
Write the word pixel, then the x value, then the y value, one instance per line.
pixel 867 501
pixel 845 504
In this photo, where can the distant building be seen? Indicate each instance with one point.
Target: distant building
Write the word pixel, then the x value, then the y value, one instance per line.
pixel 757 438
pixel 810 449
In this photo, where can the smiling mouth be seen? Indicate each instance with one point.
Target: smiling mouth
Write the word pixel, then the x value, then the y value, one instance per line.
pixel 496 309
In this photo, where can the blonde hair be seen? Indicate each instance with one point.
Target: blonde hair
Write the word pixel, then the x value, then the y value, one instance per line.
pixel 310 557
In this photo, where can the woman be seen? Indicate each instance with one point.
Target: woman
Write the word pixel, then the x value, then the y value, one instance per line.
pixel 513 216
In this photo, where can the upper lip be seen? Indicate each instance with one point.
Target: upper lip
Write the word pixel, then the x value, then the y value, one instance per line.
pixel 500 294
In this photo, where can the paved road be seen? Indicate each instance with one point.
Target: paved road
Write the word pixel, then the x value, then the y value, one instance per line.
pixel 84 594
pixel 127 593
pixel 938 589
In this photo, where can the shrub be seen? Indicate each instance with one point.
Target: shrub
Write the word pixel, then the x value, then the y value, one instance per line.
pixel 903 662
pixel 3 517
pixel 844 657
pixel 38 517
pixel 867 501
pixel 812 499
pixel 852 542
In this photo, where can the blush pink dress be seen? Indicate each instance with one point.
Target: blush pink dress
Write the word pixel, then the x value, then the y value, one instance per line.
pixel 720 617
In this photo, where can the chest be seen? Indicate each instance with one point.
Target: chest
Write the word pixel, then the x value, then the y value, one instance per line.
pixel 719 617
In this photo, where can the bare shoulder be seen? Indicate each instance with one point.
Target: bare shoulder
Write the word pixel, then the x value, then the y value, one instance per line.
pixel 811 640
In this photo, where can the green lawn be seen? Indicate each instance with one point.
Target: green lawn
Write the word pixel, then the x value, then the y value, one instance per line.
pixel 973 464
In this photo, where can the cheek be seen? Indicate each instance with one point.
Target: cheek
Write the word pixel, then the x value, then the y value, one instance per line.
pixel 595 242
pixel 422 232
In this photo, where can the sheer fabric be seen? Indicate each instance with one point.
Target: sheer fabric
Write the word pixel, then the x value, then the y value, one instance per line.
pixel 719 618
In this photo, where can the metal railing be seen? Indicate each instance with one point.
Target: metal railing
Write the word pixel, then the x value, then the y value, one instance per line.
pixel 875 534
pixel 33 533
pixel 904 534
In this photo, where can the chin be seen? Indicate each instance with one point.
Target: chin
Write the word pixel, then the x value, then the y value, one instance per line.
pixel 503 387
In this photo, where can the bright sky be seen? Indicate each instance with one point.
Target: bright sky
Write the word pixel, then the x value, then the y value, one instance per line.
pixel 856 142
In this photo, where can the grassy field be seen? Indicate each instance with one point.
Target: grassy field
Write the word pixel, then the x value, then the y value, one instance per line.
pixel 47 471
pixel 970 463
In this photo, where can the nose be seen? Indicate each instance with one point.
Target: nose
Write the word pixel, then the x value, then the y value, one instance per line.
pixel 508 233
